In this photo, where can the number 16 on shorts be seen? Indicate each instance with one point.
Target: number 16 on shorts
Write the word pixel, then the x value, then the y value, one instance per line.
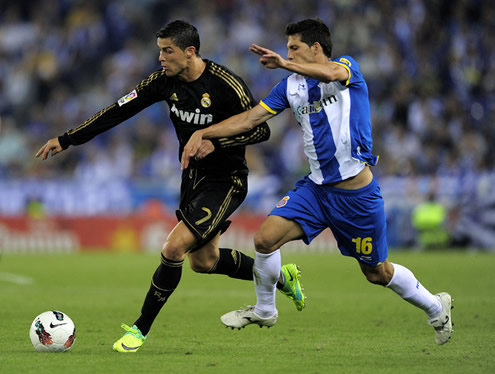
pixel 370 250
pixel 364 246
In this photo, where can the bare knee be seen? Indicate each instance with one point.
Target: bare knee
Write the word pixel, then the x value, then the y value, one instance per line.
pixel 381 275
pixel 263 243
pixel 275 232
pixel 376 279
pixel 174 249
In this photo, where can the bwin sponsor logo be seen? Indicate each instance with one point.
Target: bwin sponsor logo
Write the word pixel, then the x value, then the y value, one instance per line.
pixel 317 106
pixel 192 117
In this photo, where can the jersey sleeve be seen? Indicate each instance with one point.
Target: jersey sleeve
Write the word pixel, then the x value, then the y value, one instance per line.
pixel 355 75
pixel 148 92
pixel 258 134
pixel 276 101
pixel 240 100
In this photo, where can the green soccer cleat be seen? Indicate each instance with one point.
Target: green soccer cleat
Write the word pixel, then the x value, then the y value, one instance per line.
pixel 131 341
pixel 292 287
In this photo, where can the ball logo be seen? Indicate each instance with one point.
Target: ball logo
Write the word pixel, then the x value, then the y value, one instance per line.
pixel 58 315
pixel 283 202
pixel 345 61
pixel 206 101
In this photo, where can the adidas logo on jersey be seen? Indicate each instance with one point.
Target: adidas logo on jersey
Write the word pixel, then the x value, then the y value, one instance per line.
pixel 192 117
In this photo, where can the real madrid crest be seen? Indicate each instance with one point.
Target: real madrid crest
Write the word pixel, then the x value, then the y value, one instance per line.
pixel 206 101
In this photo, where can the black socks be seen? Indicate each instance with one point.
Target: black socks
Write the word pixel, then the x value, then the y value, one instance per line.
pixel 233 263
pixel 164 281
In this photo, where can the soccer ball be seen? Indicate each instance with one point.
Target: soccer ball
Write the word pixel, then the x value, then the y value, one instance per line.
pixel 52 331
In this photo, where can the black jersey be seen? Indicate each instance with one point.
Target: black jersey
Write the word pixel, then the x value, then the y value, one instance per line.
pixel 216 95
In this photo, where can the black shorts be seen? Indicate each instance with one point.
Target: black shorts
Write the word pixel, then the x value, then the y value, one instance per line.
pixel 207 200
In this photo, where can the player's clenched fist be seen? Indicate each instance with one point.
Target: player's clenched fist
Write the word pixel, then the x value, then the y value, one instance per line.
pixel 52 145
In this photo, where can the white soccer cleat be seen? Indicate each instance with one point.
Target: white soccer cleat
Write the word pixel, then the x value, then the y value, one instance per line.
pixel 241 318
pixel 443 322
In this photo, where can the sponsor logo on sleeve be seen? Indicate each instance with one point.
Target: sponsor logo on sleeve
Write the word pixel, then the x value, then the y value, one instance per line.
pixel 125 99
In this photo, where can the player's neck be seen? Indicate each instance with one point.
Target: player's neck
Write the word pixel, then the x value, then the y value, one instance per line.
pixel 194 70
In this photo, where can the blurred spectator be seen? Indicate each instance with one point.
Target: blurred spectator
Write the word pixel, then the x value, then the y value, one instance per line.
pixel 474 213
pixel 13 148
pixel 429 218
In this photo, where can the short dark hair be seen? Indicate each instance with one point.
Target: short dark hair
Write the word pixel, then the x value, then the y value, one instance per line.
pixel 182 33
pixel 312 30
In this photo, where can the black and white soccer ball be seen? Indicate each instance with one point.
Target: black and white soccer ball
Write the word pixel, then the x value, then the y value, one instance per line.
pixel 52 331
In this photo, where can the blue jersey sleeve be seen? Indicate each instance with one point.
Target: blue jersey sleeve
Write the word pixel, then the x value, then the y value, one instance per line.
pixel 355 75
pixel 276 101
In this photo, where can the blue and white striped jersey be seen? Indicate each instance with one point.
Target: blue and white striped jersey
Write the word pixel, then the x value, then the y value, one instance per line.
pixel 334 118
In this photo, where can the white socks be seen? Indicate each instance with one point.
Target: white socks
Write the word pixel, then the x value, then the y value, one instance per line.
pixel 405 284
pixel 266 271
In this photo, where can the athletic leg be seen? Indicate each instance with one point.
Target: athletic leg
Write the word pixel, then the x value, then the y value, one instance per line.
pixel 403 282
pixel 163 283
pixel 211 259
pixel 360 232
pixel 274 232
pixel 167 275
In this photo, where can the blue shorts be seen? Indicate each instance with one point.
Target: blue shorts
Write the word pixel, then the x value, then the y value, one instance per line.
pixel 356 217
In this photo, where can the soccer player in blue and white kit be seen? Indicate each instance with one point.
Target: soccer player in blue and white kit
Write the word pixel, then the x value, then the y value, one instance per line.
pixel 329 99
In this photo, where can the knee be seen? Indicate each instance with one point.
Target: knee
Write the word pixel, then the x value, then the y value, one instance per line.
pixel 376 279
pixel 263 243
pixel 380 275
pixel 174 249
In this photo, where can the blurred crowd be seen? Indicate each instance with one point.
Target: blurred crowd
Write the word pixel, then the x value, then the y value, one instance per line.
pixel 429 65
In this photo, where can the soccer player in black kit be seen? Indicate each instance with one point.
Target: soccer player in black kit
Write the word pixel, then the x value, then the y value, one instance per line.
pixel 199 93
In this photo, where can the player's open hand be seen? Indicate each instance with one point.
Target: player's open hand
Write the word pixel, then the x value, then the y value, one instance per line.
pixel 205 149
pixel 191 149
pixel 52 145
pixel 269 58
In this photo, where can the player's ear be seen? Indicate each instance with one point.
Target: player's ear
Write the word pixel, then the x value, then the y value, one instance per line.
pixel 190 52
pixel 316 47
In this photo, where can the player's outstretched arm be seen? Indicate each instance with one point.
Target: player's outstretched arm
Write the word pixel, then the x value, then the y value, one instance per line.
pixel 269 58
pixel 323 70
pixel 234 125
pixel 53 146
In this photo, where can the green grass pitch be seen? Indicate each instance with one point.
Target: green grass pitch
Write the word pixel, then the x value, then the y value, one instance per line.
pixel 349 326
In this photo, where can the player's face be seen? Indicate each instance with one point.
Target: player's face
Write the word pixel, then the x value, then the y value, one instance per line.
pixel 299 51
pixel 172 58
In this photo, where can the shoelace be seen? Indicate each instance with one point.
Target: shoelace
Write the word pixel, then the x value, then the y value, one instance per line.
pixel 131 330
